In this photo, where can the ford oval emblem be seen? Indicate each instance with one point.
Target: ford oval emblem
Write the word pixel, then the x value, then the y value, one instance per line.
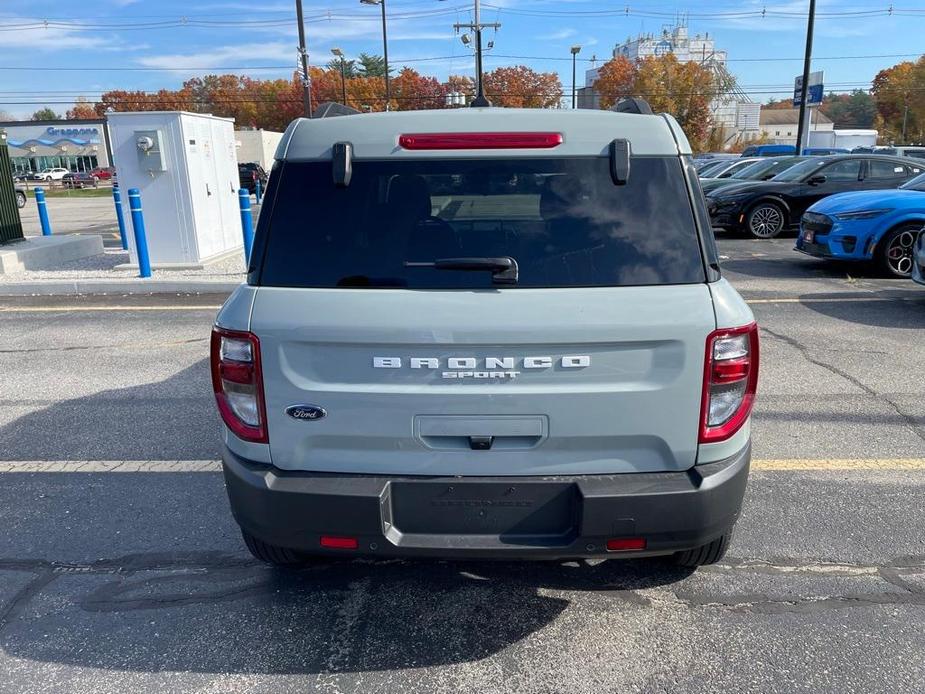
pixel 305 412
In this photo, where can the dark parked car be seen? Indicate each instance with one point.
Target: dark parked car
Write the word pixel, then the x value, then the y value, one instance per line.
pixel 79 179
pixel 250 174
pixel 766 208
pixel 20 196
pixel 19 176
pixel 763 169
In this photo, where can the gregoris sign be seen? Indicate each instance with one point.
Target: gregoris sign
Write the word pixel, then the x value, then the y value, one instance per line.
pixel 72 132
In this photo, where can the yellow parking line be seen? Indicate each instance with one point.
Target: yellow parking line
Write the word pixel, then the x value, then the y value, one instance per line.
pixel 834 300
pixel 838 464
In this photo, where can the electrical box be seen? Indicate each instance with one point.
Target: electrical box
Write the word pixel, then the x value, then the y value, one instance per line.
pixel 186 167
pixel 150 155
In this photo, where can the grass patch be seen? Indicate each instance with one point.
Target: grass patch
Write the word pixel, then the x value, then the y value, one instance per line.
pixel 76 193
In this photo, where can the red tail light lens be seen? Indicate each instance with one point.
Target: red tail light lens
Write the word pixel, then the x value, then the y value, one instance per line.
pixel 480 141
pixel 237 380
pixel 730 380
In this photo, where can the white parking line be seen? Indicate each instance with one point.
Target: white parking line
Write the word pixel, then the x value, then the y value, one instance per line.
pixel 763 465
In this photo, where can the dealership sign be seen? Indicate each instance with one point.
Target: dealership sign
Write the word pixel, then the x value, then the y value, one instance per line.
pixel 25 136
pixel 813 93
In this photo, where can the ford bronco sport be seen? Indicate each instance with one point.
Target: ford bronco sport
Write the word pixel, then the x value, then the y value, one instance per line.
pixel 485 333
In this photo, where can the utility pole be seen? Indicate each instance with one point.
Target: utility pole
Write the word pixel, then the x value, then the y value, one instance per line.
pixel 303 55
pixel 477 26
pixel 802 133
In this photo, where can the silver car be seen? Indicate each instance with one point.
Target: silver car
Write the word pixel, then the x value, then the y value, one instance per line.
pixel 918 267
pixel 485 333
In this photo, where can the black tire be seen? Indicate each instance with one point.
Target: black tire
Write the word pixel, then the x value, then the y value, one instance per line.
pixel 709 553
pixel 895 254
pixel 20 199
pixel 766 220
pixel 271 554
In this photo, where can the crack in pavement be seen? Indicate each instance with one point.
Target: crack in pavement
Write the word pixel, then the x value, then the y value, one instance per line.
pixel 910 421
pixel 211 577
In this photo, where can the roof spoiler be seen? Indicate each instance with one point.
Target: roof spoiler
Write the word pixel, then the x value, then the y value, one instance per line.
pixel 633 104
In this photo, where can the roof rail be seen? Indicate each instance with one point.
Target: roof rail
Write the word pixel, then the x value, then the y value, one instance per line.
pixel 633 104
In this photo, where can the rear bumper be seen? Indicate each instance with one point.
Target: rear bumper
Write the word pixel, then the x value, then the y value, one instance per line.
pixel 487 517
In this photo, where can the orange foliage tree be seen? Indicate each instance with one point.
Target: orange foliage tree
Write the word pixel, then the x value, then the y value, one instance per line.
pixel 82 109
pixel 615 80
pixel 520 87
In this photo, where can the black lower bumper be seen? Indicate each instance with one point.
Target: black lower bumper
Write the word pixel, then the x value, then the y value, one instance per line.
pixel 487 517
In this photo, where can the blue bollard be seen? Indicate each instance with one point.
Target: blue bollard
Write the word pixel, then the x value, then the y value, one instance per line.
pixel 247 222
pixel 138 225
pixel 43 211
pixel 258 192
pixel 117 198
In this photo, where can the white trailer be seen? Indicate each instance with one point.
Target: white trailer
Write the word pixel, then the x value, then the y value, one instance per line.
pixel 843 139
pixel 185 165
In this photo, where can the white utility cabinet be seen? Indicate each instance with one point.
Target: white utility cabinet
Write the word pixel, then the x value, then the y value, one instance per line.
pixel 186 167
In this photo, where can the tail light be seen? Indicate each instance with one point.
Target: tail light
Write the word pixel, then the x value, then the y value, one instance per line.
pixel 238 383
pixel 730 379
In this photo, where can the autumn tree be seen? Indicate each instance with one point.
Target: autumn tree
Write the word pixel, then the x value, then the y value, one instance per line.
pixel 412 91
pixel 520 87
pixel 615 80
pixel 82 109
pixel 899 93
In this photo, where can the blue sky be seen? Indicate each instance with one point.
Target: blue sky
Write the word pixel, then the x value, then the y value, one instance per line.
pixel 151 52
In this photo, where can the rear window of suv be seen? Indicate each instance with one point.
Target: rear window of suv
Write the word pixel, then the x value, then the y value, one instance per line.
pixel 562 220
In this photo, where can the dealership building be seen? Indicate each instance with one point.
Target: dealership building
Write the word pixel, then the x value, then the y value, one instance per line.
pixel 77 145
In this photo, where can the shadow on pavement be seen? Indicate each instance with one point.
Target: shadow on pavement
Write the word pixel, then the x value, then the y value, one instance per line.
pixel 331 618
pixel 173 419
pixel 906 312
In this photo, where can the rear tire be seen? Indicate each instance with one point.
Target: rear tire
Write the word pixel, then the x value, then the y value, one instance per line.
pixel 20 199
pixel 895 252
pixel 766 220
pixel 271 554
pixel 709 553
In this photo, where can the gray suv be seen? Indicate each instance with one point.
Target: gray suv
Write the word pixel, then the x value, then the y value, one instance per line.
pixel 485 333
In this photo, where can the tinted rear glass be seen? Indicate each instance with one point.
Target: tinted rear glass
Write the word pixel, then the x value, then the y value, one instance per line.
pixel 562 220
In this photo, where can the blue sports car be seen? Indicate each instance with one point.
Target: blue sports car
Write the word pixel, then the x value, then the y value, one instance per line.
pixel 877 225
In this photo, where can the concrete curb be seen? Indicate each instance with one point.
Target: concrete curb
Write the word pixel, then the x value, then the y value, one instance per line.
pixel 120 286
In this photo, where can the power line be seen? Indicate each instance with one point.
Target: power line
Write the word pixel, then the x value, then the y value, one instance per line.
pixel 204 68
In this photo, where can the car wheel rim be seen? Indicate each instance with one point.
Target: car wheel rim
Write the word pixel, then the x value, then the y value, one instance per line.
pixel 766 221
pixel 899 253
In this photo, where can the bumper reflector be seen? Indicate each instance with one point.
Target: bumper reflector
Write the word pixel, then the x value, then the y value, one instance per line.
pixel 332 542
pixel 626 544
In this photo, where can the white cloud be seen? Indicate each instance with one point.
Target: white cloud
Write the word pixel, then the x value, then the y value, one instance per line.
pixel 217 57
pixel 558 35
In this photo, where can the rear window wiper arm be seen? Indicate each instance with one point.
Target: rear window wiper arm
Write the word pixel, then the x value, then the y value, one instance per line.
pixel 503 270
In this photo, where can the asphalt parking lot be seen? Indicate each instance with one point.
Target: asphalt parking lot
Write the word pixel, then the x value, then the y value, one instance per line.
pixel 122 569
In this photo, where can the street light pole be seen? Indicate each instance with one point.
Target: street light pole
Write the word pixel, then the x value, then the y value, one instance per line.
pixel 575 51
pixel 343 73
pixel 385 50
pixel 303 56
pixel 804 91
